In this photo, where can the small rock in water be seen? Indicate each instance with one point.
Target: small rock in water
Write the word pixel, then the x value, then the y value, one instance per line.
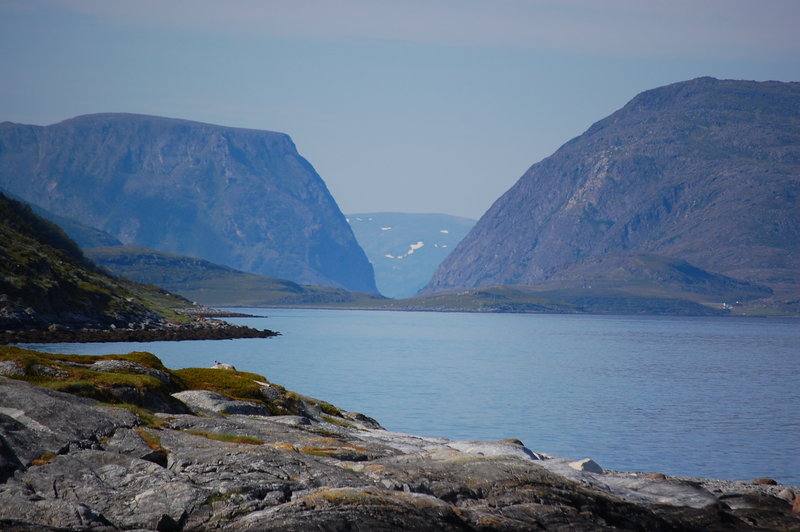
pixel 587 464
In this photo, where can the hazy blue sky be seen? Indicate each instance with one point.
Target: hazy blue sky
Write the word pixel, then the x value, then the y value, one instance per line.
pixel 412 105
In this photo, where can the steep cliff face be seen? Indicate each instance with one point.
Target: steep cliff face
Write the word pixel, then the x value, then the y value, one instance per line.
pixel 240 197
pixel 705 171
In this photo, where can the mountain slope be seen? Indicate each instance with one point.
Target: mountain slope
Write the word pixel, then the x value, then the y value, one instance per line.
pixel 197 279
pixel 83 235
pixel 239 197
pixel 46 280
pixel 405 249
pixel 705 171
pixel 214 284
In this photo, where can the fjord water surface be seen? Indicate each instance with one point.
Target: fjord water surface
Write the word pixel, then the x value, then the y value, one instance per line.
pixel 716 397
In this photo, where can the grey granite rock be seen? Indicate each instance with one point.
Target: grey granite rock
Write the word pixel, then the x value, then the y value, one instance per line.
pixel 10 368
pixel 123 366
pixel 70 464
pixel 36 420
pixel 205 400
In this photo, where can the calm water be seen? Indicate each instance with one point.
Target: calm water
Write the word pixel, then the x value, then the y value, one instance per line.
pixel 716 397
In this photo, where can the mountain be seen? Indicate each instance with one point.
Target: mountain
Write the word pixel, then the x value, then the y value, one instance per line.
pixel 46 280
pixel 217 285
pixel 240 197
pixel 50 292
pixel 703 171
pixel 197 279
pixel 405 249
pixel 83 235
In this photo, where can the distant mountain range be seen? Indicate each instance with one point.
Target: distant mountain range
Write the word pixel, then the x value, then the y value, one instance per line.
pixel 404 248
pixel 699 178
pixel 685 201
pixel 239 197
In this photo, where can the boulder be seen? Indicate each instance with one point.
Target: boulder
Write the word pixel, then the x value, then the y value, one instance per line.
pixel 787 495
pixel 587 464
pixel 200 400
pixel 126 366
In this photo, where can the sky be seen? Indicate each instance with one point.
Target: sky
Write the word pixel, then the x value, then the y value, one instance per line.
pixel 427 106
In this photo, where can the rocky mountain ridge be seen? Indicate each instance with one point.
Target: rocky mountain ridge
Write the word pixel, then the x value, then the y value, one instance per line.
pixel 706 171
pixel 240 197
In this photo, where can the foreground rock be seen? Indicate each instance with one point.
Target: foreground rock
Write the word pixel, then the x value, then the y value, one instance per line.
pixel 69 462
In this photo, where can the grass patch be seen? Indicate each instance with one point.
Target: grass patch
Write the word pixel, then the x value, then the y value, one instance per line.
pixel 146 417
pixel 333 448
pixel 151 439
pixel 242 386
pixel 29 357
pixel 229 438
pixel 97 385
pixel 222 497
pixel 234 384
pixel 329 409
pixel 335 421
pixel 327 452
pixel 73 374
pixel 321 432
pixel 287 404
pixel 45 458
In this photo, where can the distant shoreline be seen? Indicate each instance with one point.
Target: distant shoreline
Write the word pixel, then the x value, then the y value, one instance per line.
pixel 196 330
pixel 492 311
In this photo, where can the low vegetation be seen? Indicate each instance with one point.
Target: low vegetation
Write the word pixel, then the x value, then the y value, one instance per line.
pixel 41 269
pixel 45 458
pixel 75 373
pixel 140 378
pixel 146 417
pixel 230 438
pixel 215 284
pixel 239 385
pixel 151 439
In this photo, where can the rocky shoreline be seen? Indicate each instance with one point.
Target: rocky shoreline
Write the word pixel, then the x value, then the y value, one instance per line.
pixel 198 329
pixel 199 459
